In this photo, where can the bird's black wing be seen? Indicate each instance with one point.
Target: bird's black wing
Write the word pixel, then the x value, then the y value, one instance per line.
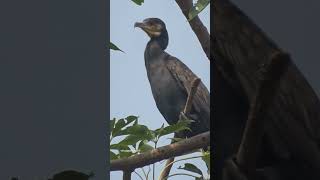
pixel 184 77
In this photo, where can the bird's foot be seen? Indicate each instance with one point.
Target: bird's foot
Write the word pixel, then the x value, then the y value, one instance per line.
pixel 184 117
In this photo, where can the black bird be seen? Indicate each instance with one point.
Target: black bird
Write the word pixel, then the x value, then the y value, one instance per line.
pixel 171 80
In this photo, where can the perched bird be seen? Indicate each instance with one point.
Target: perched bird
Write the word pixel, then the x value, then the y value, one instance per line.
pixel 171 80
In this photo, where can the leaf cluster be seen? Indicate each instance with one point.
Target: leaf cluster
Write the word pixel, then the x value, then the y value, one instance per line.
pixel 199 6
pixel 136 138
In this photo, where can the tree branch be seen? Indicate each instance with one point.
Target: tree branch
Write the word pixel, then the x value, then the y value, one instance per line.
pixel 194 86
pixel 195 83
pixel 197 26
pixel 204 38
pixel 240 49
pixel 127 175
pixel 161 153
pixel 254 130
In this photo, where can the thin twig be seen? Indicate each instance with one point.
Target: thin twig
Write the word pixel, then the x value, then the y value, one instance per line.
pixel 138 175
pixel 149 169
pixel 153 171
pixel 171 163
pixel 182 174
pixel 194 87
pixel 186 110
pixel 127 174
pixel 144 173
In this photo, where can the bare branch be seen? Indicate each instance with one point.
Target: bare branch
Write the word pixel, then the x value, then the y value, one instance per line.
pixel 194 87
pixel 195 83
pixel 161 153
pixel 252 136
pixel 127 175
pixel 166 171
pixel 183 146
pixel 240 48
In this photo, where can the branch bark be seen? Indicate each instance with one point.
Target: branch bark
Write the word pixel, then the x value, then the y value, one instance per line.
pixel 252 137
pixel 161 153
pixel 240 49
pixel 195 83
pixel 197 26
pixel 184 146
pixel 127 175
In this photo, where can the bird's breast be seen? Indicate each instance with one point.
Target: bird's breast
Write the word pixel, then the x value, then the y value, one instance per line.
pixel 168 95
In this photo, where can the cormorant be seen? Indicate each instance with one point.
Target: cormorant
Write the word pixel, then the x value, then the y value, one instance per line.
pixel 171 80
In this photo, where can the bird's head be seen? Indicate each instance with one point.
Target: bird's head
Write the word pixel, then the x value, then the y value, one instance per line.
pixel 154 27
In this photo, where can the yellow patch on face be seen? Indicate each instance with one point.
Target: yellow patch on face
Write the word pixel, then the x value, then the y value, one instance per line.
pixel 153 31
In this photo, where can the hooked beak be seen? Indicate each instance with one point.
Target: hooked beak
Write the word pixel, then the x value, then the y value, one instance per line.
pixel 139 24
pixel 150 30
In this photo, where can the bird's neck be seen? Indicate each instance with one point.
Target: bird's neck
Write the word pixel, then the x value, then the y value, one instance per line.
pixel 161 41
pixel 155 49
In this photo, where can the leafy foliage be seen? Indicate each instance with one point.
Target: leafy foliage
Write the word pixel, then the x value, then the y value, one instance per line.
pixel 135 138
pixel 114 47
pixel 199 6
pixel 138 2
pixel 191 168
pixel 206 159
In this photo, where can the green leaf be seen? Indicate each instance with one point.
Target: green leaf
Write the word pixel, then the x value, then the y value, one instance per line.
pixel 206 159
pixel 119 147
pixel 138 2
pixel 197 8
pixel 121 123
pixel 149 136
pixel 140 131
pixel 136 129
pixel 143 146
pixel 179 126
pixel 118 126
pixel 191 168
pixel 124 154
pixel 131 119
pixel 114 47
pixel 159 130
pixel 129 140
pixel 135 122
pixel 113 156
pixel 174 140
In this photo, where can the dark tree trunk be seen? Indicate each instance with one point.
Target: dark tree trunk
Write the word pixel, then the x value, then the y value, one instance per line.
pixel 292 132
